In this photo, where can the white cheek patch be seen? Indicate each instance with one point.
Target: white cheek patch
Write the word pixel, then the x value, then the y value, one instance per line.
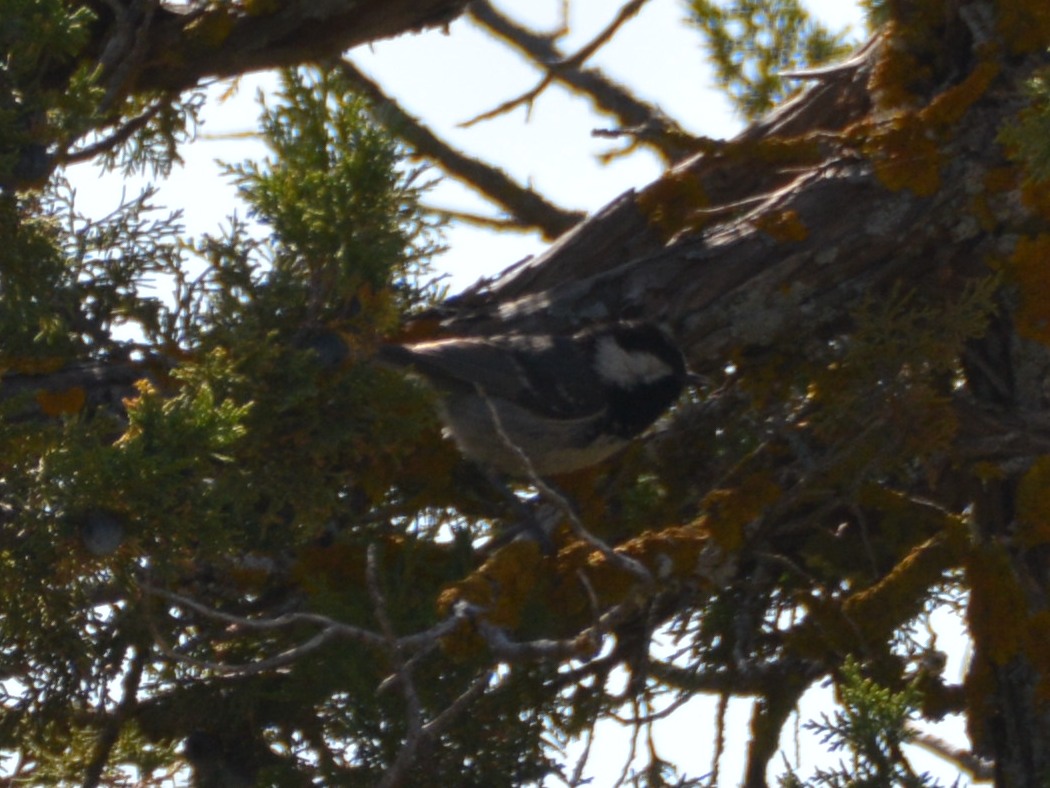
pixel 628 368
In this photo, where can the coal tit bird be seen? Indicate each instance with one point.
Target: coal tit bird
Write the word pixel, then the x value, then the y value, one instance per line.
pixel 565 402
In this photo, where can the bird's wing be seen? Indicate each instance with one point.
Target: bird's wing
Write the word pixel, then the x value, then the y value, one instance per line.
pixel 549 375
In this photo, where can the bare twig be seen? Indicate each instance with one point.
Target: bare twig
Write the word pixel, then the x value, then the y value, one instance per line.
pixel 442 721
pixel 176 57
pixel 630 758
pixel 118 137
pixel 581 763
pixel 592 597
pixel 414 709
pixel 330 630
pixel 627 11
pixel 654 716
pixel 418 731
pixel 581 646
pixel 261 624
pixel 643 121
pixel 387 640
pixel 720 737
pixel 511 223
pixel 975 765
pixel 395 775
pixel 393 679
pixel 280 660
pixel 509 650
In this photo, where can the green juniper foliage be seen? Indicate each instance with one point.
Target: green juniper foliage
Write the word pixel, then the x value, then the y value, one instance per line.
pixel 236 441
pixel 750 42
pixel 870 727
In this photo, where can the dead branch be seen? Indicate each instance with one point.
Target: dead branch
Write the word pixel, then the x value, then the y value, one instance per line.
pixel 116 138
pixel 626 12
pixel 498 224
pixel 331 629
pixel 431 730
pixel 978 768
pixel 644 122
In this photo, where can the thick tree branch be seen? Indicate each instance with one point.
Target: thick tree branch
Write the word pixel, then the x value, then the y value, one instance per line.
pixel 781 248
pixel 626 12
pixel 216 41
pixel 978 768
pixel 330 630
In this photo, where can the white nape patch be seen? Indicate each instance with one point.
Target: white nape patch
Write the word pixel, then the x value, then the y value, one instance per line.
pixel 627 368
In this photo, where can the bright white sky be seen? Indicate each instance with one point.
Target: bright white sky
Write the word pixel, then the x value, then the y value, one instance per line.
pixel 447 79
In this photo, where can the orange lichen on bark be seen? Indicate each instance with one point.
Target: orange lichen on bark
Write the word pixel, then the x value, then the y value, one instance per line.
pixel 672 551
pixel 784 151
pixel 979 686
pixel 261 7
pixel 997 181
pixel 906 157
pixel 730 510
pixel 997 613
pixel 673 203
pixel 1029 267
pixel 1000 179
pixel 896 72
pixel 1005 630
pixel 1035 195
pixel 871 614
pixel 500 585
pixel 518 586
pixel 499 589
pixel 669 553
pixel 949 106
pixel 212 29
pixel 784 226
pixel 1024 24
pixel 679 200
pixel 907 152
pixel 66 402
pixel 880 609
pixel 1033 505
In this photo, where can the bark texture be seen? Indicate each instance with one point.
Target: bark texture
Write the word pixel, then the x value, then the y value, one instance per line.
pixel 173 51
